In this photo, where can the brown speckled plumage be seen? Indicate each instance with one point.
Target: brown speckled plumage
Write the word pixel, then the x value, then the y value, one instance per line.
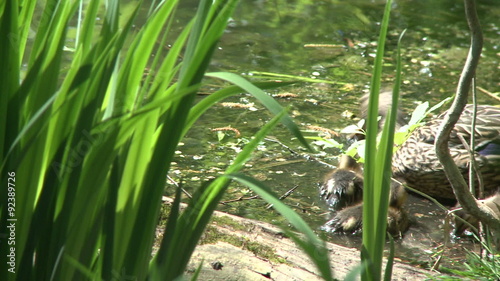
pixel 416 163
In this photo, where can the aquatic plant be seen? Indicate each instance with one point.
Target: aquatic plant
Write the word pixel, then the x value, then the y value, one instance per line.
pixel 377 170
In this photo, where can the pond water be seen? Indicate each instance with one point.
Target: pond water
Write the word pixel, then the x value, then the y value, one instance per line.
pixel 284 37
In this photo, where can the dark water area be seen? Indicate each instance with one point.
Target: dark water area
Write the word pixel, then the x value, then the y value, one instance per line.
pixel 279 37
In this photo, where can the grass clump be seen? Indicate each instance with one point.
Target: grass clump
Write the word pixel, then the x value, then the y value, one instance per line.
pixel 89 130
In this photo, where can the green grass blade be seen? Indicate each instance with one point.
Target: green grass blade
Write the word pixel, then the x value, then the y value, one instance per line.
pixel 192 71
pixel 91 141
pixel 25 18
pixel 171 261
pixel 314 247
pixel 374 200
pixel 288 77
pixel 133 67
pixel 390 261
pixel 203 105
pixel 85 39
pixel 270 103
pixel 9 75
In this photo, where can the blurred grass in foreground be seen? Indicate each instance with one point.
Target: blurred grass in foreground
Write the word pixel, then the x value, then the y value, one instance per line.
pixel 90 143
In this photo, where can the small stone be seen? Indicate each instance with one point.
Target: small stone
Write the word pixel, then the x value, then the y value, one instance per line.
pixel 217 265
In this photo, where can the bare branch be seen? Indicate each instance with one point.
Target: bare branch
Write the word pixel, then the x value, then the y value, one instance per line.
pixel 458 183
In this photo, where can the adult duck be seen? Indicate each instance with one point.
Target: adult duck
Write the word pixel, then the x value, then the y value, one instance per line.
pixel 415 163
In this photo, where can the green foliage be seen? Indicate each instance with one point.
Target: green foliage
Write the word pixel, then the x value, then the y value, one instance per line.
pixel 476 267
pixel 325 143
pixel 377 170
pixel 357 149
pixel 293 77
pixel 416 120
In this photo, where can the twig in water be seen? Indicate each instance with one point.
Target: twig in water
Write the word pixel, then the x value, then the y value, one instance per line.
pixel 240 199
pixel 305 156
pixel 288 193
pixel 178 185
pixel 490 94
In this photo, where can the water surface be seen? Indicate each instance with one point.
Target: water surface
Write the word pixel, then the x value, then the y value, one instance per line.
pixel 271 36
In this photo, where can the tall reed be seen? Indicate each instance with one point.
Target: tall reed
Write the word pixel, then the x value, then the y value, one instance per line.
pixel 378 168
pixel 89 129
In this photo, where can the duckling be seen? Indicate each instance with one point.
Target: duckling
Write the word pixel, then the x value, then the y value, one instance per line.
pixel 385 103
pixel 343 186
pixel 343 192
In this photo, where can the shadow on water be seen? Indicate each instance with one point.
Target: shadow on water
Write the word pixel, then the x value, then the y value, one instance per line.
pixel 270 36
